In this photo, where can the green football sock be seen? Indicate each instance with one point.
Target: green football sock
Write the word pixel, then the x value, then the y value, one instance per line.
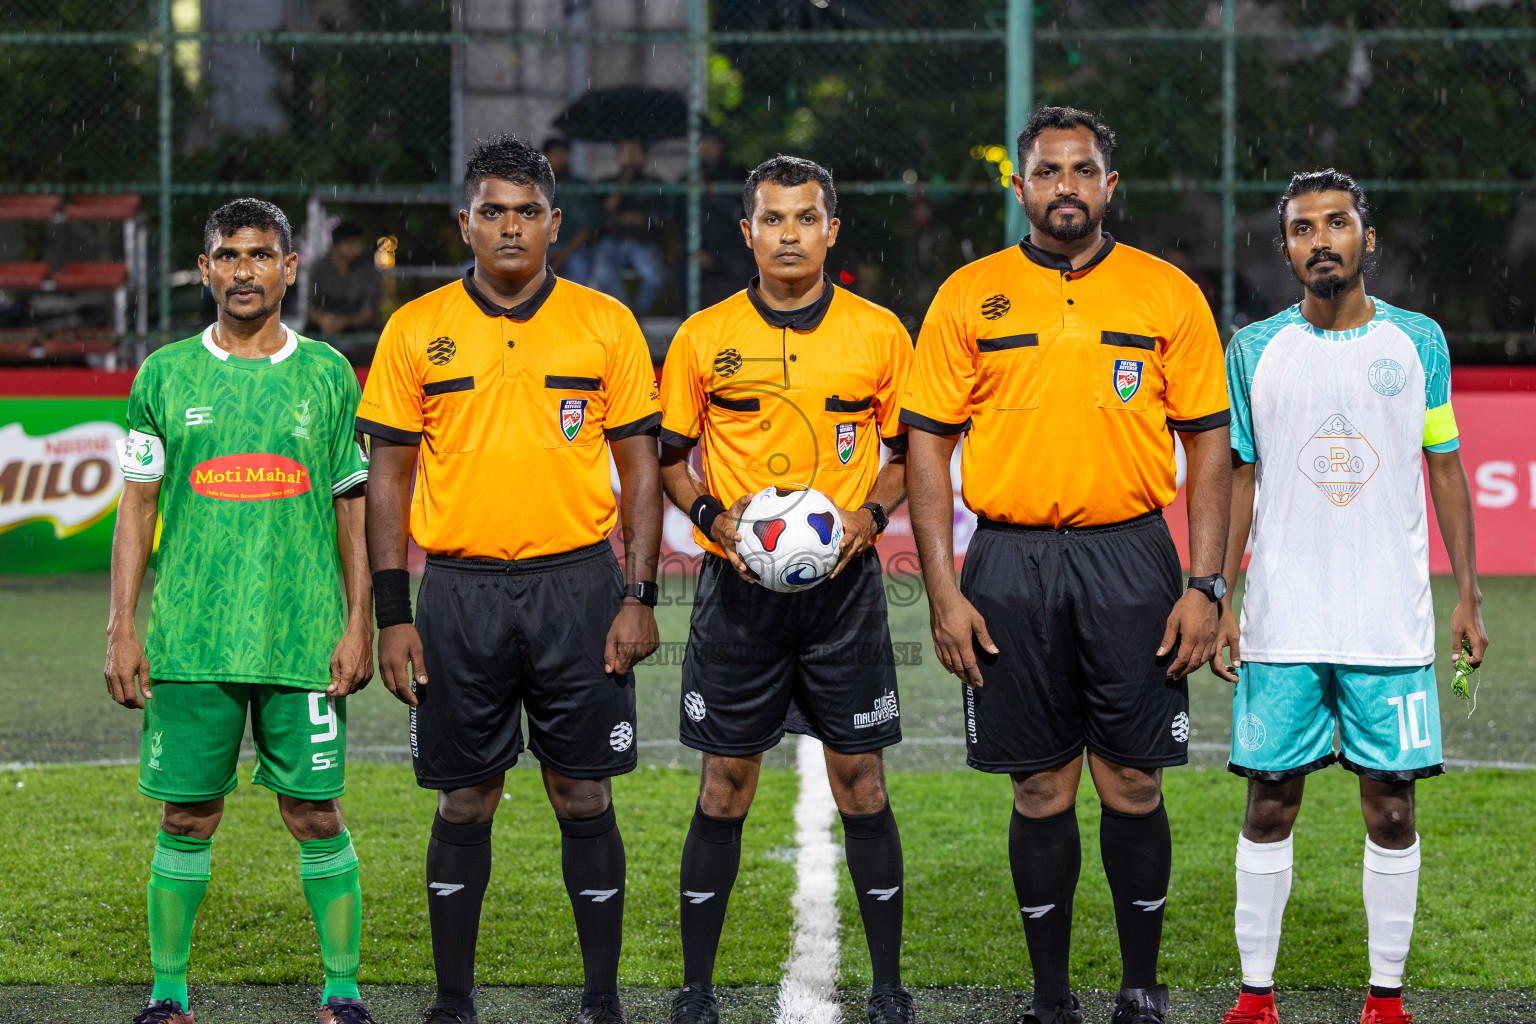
pixel 178 878
pixel 328 868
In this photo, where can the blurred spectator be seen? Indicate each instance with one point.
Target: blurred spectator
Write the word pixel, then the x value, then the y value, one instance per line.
pixel 580 216
pixel 632 226
pixel 725 261
pixel 345 288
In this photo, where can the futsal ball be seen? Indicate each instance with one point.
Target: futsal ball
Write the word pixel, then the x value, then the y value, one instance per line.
pixel 790 537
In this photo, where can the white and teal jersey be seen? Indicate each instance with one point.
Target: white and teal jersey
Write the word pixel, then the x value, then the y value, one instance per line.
pixel 1335 422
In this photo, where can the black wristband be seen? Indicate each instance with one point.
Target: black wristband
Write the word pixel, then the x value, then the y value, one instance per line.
pixel 391 597
pixel 706 509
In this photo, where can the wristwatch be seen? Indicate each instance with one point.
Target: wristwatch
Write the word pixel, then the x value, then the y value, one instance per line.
pixel 877 510
pixel 646 592
pixel 1213 587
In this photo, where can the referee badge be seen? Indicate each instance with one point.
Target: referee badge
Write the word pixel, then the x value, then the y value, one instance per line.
pixel 1127 378
pixel 573 413
pixel 846 440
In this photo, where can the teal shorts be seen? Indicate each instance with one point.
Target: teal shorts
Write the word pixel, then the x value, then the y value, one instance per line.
pixel 192 732
pixel 1284 717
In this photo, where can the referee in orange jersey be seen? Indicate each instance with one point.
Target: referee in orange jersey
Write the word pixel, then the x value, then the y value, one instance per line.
pixel 500 397
pixel 791 381
pixel 1069 361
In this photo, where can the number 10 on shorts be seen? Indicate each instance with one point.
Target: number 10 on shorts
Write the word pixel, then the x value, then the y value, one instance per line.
pixel 1412 720
pixel 322 713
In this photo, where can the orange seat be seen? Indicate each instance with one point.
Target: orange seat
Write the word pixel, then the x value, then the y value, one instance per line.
pixel 23 275
pixel 103 207
pixel 90 276
pixel 37 207
pixel 17 342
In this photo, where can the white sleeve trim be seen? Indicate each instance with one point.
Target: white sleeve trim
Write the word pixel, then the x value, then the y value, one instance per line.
pixel 349 482
pixel 141 457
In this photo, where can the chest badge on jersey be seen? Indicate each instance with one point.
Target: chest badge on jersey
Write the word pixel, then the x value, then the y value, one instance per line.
pixel 1338 459
pixel 847 440
pixel 1128 378
pixel 441 351
pixel 996 306
pixel 727 362
pixel 573 413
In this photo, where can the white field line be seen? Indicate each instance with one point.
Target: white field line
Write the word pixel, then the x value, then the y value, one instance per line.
pixel 808 991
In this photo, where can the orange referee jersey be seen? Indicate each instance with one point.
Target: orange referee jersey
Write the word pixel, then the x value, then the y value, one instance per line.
pixel 512 409
pixel 787 396
pixel 1067 383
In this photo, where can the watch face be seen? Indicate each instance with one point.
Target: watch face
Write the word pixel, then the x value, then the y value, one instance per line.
pixel 1219 587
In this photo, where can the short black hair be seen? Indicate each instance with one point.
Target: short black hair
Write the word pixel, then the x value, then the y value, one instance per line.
pixel 345 230
pixel 1067 118
pixel 1327 180
pixel 789 170
pixel 247 213
pixel 507 158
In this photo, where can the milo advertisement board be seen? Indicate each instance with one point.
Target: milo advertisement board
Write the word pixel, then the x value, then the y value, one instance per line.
pixel 59 482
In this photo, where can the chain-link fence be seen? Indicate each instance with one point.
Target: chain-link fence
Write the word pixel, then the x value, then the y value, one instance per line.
pixel 364 109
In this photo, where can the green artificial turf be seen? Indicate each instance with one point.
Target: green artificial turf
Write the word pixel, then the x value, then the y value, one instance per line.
pixel 75 845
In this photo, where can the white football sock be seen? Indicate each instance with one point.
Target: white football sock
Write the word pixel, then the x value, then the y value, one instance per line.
pixel 1263 886
pixel 1391 888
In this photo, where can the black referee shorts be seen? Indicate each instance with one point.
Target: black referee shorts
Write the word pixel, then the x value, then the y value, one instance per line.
pixel 500 636
pixel 1077 616
pixel 760 663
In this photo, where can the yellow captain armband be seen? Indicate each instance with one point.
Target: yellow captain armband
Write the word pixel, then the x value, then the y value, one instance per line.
pixel 1440 425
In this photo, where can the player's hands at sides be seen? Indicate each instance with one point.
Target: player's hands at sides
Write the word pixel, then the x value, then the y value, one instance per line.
pixel 958 629
pixel 723 533
pixel 352 661
pixel 1467 623
pixel 399 657
pixel 859 533
pixel 1227 636
pixel 632 637
pixel 127 669
pixel 1191 634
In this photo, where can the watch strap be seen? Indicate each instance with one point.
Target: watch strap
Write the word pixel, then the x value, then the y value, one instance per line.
pixel 646 592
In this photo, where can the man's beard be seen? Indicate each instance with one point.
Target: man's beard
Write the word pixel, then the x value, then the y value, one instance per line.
pixel 256 314
pixel 1327 285
pixel 1070 231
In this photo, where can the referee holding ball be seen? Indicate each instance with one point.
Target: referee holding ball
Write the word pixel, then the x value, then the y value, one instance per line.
pixel 500 397
pixel 791 381
pixel 1069 360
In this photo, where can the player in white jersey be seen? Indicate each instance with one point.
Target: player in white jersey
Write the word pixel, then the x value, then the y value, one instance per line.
pixel 1336 404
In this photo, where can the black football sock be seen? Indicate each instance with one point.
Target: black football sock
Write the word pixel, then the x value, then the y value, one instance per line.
pixel 873 844
pixel 1138 855
pixel 711 858
pixel 1046 856
pixel 592 857
pixel 458 870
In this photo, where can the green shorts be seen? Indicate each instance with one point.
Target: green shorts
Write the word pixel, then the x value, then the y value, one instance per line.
pixel 192 734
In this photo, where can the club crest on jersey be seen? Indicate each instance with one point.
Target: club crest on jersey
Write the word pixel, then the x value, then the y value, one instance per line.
pixel 1127 378
pixel 995 307
pixel 847 439
pixel 573 413
pixel 440 351
pixel 727 362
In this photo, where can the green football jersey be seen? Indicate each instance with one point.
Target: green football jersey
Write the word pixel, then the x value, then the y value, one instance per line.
pixel 249 453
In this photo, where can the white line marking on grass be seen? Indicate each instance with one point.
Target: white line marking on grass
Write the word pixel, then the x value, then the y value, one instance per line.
pixel 808 992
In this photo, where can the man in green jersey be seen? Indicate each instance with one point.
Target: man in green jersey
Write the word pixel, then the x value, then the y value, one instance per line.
pixel 241 442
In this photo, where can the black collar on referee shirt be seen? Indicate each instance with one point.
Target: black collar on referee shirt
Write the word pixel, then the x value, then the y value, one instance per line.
pixel 523 310
pixel 1052 261
pixel 806 318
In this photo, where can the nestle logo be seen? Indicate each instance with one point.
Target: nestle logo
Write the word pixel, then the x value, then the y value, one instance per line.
pixel 995 307
pixel 440 351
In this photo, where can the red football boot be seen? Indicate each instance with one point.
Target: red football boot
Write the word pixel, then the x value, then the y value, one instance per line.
pixel 1385 1011
pixel 1253 1009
